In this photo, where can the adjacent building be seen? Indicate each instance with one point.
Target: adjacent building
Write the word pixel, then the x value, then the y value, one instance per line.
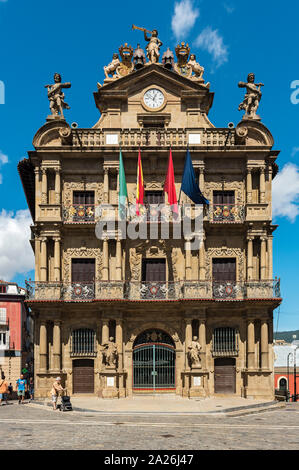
pixel 117 315
pixel 16 331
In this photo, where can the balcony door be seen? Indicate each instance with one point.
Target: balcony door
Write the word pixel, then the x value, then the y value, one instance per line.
pixel 83 277
pixel 83 206
pixel 154 278
pixel 224 278
pixel 224 205
pixel 153 199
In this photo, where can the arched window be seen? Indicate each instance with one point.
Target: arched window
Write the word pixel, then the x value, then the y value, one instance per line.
pixel 83 342
pixel 283 384
pixel 225 341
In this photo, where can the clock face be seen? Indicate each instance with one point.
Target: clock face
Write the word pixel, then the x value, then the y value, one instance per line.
pixel 153 98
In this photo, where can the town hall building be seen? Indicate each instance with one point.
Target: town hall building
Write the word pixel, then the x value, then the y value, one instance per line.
pixel 116 314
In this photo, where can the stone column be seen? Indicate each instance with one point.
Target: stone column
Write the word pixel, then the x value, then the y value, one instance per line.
pixel 118 269
pixel 56 346
pixel 249 258
pixel 105 331
pixel 57 276
pixel 263 259
pixel 201 179
pixel 37 258
pixel 43 260
pixel 202 337
pixel 188 339
pixel 105 269
pixel 249 185
pixel 37 191
pixel 188 266
pixel 264 345
pixel 43 346
pixel 262 185
pixel 106 186
pixel 44 186
pixel 119 342
pixel 202 256
pixel 270 256
pixel 57 186
pixel 250 344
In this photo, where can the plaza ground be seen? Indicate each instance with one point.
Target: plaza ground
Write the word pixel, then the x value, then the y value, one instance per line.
pixel 32 426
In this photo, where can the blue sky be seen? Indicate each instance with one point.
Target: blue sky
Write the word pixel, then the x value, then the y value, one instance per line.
pixel 76 39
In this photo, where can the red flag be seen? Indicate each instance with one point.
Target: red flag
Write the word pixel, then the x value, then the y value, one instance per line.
pixel 140 185
pixel 169 186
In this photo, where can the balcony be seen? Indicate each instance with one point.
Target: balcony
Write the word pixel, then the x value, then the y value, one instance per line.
pixel 226 213
pixel 137 137
pixel 80 213
pixel 150 291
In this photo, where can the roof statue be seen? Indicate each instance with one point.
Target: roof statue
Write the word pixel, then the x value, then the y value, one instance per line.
pixel 133 60
pixel 252 97
pixel 56 98
pixel 153 46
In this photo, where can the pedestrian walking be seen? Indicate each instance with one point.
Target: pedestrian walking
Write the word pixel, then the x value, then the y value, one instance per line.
pixel 10 391
pixel 56 390
pixel 3 390
pixel 31 389
pixel 21 388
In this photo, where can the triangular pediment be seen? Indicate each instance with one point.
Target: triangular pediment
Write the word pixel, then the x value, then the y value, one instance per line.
pixel 184 90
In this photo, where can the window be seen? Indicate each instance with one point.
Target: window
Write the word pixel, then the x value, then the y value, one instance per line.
pixel 83 342
pixel 3 316
pixel 153 279
pixel 3 289
pixel 225 341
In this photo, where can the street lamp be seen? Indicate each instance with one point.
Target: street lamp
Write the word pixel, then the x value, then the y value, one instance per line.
pixel 288 363
pixel 295 375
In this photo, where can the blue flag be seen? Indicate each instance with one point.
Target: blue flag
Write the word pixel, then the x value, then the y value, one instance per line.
pixel 189 185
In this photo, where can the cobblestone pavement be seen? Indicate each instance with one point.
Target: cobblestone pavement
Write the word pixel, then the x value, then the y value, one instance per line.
pixel 35 427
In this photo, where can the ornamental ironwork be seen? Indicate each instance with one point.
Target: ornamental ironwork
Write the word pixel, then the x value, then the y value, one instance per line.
pixel 83 342
pixel 227 213
pixel 225 342
pixel 153 336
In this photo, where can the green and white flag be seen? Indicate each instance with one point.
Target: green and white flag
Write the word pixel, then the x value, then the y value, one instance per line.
pixel 123 192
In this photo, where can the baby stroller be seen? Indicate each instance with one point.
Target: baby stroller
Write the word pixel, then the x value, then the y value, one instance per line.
pixel 65 402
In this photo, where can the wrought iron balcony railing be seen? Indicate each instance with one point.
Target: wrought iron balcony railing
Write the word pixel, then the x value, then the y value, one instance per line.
pixel 180 290
pixel 78 213
pixel 226 213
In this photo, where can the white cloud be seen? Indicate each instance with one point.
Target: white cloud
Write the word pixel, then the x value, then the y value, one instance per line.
pixel 16 255
pixel 184 18
pixel 229 8
pixel 285 202
pixel 294 151
pixel 211 41
pixel 3 160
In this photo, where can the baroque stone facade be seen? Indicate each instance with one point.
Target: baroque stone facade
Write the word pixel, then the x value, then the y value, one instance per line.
pixel 97 298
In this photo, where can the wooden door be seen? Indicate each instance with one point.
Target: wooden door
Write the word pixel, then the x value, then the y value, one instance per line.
pixel 83 376
pixel 225 375
pixel 154 270
pixel 224 269
pixel 83 270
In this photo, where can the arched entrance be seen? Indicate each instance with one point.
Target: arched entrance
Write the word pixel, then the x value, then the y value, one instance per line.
pixel 153 361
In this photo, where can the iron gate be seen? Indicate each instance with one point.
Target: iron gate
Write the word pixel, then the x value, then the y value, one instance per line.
pixel 153 367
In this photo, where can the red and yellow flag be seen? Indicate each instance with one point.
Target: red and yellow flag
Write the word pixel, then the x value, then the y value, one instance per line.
pixel 140 185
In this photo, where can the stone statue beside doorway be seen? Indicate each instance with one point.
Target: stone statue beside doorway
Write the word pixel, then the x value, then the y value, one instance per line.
pixel 110 353
pixel 193 353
